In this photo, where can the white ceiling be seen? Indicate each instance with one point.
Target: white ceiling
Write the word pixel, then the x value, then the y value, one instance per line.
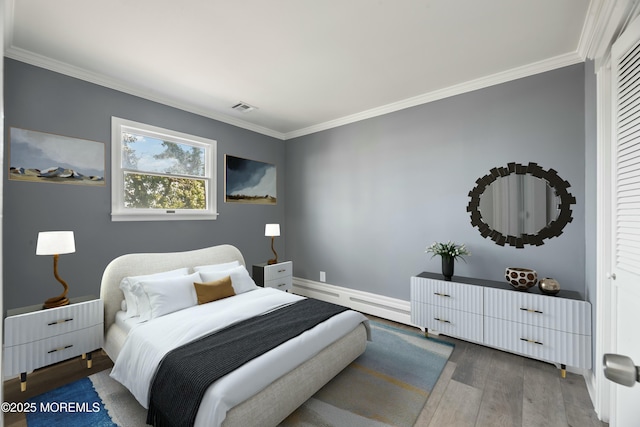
pixel 307 65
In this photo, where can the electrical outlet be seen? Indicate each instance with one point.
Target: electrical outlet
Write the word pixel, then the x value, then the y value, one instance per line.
pixel 323 276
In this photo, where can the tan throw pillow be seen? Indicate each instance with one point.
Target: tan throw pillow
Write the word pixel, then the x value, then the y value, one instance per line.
pixel 212 291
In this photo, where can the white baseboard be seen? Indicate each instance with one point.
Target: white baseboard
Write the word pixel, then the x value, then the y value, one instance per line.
pixel 595 393
pixel 365 302
pixel 590 380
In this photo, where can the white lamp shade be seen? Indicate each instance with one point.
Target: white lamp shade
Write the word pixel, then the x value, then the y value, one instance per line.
pixel 272 230
pixel 55 242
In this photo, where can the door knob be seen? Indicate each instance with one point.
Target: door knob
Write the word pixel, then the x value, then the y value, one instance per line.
pixel 621 369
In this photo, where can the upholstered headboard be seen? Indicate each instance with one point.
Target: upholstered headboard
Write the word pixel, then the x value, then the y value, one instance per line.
pixel 139 264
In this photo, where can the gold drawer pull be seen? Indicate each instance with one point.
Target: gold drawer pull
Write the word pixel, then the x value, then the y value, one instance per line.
pixel 57 322
pixel 442 295
pixel 60 348
pixel 531 341
pixel 441 320
pixel 530 310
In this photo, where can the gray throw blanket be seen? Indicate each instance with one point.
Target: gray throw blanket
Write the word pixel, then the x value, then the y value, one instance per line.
pixel 186 372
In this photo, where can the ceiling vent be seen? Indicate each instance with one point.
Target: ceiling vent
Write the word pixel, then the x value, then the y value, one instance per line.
pixel 243 107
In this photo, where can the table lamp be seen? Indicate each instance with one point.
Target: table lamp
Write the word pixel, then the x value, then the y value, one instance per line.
pixel 56 243
pixel 272 230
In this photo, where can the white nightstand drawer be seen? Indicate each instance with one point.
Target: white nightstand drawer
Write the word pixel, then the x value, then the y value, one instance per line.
pixel 284 283
pixel 540 343
pixel 33 355
pixel 24 328
pixel 278 271
pixel 447 321
pixel 550 312
pixel 447 294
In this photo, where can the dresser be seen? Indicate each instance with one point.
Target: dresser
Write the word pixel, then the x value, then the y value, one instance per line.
pixel 35 337
pixel 278 276
pixel 555 329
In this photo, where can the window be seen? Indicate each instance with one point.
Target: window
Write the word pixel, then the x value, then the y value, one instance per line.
pixel 159 174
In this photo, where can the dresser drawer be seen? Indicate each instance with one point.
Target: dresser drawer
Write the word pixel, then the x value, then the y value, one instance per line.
pixel 278 271
pixel 447 321
pixel 37 325
pixel 560 314
pixel 33 355
pixel 539 343
pixel 447 294
pixel 284 283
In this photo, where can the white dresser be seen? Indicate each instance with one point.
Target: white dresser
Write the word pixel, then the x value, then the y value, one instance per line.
pixel 279 276
pixel 555 329
pixel 34 337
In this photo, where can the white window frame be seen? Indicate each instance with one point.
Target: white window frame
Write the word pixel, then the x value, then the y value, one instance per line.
pixel 120 213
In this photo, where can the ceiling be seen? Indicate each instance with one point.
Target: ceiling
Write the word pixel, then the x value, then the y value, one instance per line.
pixel 307 65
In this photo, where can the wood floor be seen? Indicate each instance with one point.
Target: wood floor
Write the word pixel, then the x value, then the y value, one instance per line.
pixel 479 387
pixel 483 387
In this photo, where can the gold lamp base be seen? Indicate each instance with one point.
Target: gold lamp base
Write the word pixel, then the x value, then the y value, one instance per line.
pixel 61 299
pixel 275 259
pixel 56 302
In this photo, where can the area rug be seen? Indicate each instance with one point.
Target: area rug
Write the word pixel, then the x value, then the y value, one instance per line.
pixel 386 386
pixel 75 404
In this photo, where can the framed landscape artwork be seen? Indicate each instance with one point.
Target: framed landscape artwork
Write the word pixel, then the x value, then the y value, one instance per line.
pixel 44 157
pixel 249 181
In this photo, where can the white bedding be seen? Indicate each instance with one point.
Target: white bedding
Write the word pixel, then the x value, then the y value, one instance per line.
pixel 125 322
pixel 148 342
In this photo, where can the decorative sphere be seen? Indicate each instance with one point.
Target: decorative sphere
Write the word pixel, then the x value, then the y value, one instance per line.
pixel 549 286
pixel 521 278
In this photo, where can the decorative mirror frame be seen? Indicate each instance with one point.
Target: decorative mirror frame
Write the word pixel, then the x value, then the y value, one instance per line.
pixel 553 229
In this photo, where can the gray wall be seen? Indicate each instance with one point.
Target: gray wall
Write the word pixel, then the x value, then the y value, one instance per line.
pixel 364 200
pixel 41 100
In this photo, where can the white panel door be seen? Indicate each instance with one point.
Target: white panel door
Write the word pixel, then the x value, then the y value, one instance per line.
pixel 625 411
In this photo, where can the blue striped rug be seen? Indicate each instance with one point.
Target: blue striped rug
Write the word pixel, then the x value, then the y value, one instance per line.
pixel 386 386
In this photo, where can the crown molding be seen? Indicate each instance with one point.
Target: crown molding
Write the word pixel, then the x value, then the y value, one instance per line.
pixel 605 20
pixel 99 79
pixel 481 83
pixel 590 29
pixel 111 83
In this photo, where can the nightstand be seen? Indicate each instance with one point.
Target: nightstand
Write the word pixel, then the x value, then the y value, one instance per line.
pixel 277 276
pixel 35 337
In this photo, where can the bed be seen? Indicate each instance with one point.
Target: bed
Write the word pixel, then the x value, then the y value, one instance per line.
pixel 275 392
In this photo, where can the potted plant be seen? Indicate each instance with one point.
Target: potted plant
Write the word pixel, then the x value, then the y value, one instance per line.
pixel 449 252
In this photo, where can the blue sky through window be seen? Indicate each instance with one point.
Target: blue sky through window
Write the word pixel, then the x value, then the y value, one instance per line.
pixel 146 149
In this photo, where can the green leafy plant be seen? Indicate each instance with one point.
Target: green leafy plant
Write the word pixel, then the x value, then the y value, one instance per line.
pixel 448 250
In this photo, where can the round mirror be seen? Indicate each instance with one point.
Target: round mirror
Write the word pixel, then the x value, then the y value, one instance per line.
pixel 520 205
pixel 516 205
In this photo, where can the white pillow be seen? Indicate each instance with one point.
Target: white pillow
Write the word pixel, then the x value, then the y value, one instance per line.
pixel 130 288
pixel 217 267
pixel 240 279
pixel 169 294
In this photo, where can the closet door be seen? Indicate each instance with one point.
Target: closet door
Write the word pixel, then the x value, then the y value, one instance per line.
pixel 625 232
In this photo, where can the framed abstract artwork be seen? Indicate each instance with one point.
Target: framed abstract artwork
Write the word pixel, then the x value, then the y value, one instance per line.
pixel 44 157
pixel 249 181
